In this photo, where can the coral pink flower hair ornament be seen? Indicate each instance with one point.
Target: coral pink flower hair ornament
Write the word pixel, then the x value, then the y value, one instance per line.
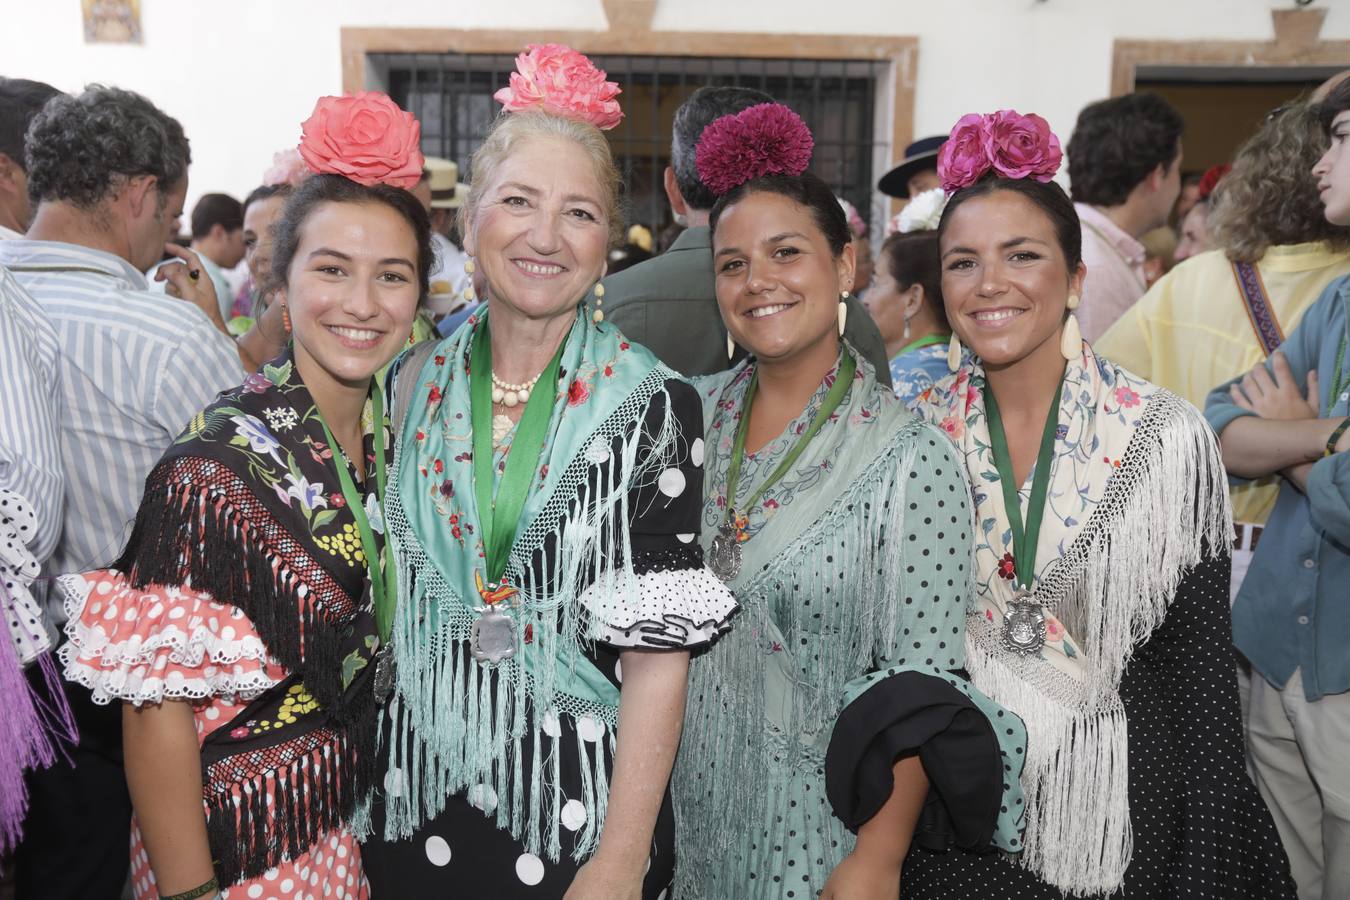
pixel 556 79
pixel 768 139
pixel 1006 143
pixel 364 137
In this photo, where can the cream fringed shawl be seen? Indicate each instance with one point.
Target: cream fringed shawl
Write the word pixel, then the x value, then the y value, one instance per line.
pixel 1137 497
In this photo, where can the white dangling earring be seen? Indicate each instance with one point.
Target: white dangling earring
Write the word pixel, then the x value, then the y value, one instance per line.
pixel 1071 339
pixel 843 312
pixel 599 315
pixel 954 353
pixel 469 294
pixel 731 347
pixel 904 336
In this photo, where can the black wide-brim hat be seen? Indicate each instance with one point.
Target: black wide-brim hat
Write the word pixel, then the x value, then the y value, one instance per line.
pixel 920 155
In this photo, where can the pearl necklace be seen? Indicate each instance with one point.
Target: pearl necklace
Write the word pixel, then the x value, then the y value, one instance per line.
pixel 510 395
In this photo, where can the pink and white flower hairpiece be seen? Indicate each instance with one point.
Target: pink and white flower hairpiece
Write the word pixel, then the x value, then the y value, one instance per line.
pixel 767 139
pixel 1007 143
pixel 556 79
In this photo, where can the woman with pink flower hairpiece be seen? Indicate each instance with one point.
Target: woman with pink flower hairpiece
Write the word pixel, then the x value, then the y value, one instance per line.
pixel 1100 614
pixel 831 728
pixel 544 512
pixel 240 624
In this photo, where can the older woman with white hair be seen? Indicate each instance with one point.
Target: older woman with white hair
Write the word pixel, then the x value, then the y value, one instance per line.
pixel 544 507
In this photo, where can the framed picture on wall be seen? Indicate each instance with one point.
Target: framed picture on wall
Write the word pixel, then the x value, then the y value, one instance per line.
pixel 112 21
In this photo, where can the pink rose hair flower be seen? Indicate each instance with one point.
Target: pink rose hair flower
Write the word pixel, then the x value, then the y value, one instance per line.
pixel 364 137
pixel 1022 146
pixel 556 79
pixel 767 139
pixel 1007 143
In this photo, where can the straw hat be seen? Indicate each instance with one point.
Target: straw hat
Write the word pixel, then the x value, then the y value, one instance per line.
pixel 447 191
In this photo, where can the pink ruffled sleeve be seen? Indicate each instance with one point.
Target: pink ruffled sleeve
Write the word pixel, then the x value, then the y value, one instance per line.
pixel 164 642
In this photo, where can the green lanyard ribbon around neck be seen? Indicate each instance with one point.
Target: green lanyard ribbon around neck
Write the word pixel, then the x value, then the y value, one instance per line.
pixel 383 574
pixel 833 398
pixel 499 516
pixel 1024 539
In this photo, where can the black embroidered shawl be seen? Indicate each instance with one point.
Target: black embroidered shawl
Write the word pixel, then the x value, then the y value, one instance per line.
pixel 246 505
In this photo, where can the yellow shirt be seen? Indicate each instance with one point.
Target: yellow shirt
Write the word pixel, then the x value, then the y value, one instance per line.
pixel 1191 332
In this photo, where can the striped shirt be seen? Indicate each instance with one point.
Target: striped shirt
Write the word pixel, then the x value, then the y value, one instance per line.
pixel 135 367
pixel 30 408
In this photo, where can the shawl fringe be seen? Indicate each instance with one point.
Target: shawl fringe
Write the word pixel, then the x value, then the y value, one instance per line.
pixel 728 722
pixel 189 534
pixel 570 544
pixel 1165 510
pixel 314 792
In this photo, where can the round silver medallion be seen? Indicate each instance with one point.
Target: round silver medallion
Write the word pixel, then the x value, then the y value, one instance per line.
pixel 493 637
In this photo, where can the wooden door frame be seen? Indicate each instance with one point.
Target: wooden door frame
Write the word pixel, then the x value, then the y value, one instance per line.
pixel 1297 43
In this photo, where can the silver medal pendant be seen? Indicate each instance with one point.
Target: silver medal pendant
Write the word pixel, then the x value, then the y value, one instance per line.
pixel 1024 624
pixel 383 680
pixel 724 556
pixel 493 637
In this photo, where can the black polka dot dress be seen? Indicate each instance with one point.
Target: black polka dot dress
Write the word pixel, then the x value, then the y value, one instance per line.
pixel 463 852
pixel 1200 830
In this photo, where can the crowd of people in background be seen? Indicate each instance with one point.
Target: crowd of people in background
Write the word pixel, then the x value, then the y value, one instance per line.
pixel 387 534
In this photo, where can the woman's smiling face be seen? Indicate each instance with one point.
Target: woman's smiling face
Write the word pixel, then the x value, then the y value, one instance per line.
pixel 1005 279
pixel 778 283
pixel 540 233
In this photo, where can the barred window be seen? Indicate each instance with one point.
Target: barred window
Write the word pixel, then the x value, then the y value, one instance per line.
pixel 839 99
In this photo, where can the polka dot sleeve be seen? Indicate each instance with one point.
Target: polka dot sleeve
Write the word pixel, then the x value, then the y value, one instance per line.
pixel 164 642
pixel 676 600
pixel 18 569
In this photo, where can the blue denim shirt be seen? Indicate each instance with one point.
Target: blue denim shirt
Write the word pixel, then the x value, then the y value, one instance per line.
pixel 1293 611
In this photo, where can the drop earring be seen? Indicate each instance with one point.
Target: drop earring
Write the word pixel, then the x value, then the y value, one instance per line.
pixel 954 353
pixel 731 347
pixel 1071 339
pixel 599 315
pixel 285 317
pixel 904 336
pixel 843 312
pixel 469 293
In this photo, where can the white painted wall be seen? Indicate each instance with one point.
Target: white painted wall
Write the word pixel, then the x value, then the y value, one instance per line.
pixel 242 74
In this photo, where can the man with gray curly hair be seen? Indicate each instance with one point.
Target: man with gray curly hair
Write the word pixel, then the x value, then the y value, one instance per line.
pixel 107 172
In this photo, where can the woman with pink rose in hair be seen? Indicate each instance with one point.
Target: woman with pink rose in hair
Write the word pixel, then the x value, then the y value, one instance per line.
pixel 543 507
pixel 831 728
pixel 1100 614
pixel 239 625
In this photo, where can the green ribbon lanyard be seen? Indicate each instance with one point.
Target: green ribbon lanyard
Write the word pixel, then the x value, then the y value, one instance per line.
pixel 500 517
pixel 831 403
pixel 1024 539
pixel 922 342
pixel 383 577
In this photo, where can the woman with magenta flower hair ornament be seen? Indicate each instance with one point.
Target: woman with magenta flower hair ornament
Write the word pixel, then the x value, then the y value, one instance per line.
pixel 835 706
pixel 240 624
pixel 544 514
pixel 1101 566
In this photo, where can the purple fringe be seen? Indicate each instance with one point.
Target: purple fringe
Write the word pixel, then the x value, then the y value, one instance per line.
pixel 35 727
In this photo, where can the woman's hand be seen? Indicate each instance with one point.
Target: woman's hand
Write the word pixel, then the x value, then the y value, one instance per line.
pixel 1278 397
pixel 863 876
pixel 603 879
